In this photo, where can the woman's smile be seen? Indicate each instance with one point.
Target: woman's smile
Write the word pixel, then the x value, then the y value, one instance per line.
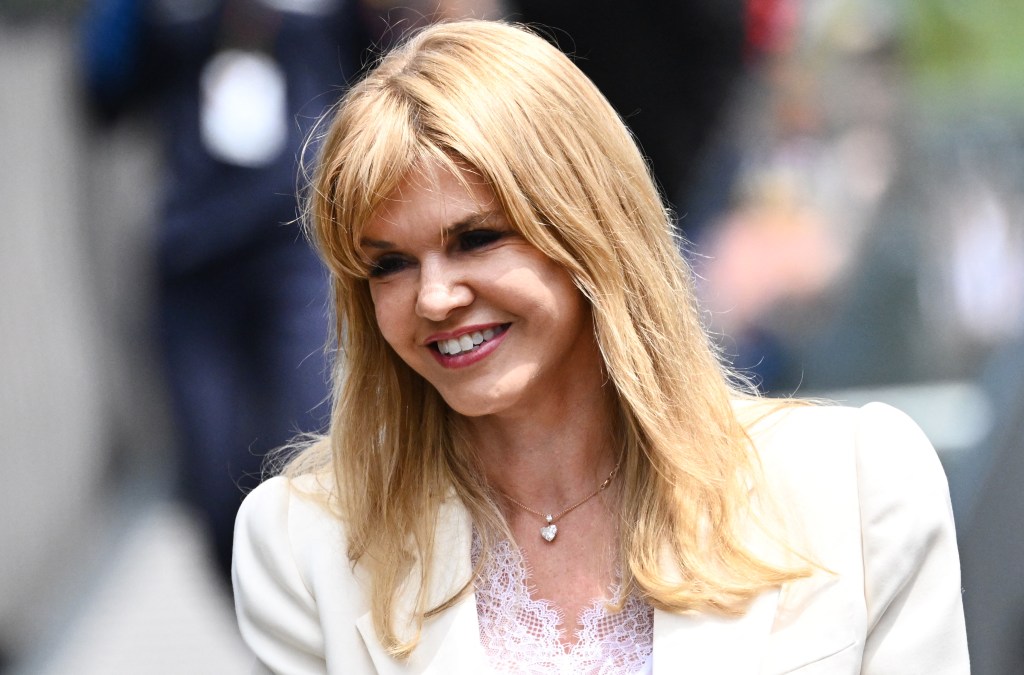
pixel 467 347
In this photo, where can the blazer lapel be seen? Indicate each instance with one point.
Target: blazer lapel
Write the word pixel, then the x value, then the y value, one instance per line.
pixel 707 643
pixel 449 641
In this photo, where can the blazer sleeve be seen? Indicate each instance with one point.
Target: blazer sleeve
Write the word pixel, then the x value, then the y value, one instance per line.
pixel 915 619
pixel 277 613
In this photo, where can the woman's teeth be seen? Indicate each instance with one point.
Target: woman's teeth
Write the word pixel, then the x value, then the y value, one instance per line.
pixel 466 342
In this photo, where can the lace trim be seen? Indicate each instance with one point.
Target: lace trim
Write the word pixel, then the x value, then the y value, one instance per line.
pixel 522 635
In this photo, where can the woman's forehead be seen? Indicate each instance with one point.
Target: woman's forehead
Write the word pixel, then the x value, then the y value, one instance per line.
pixel 434 196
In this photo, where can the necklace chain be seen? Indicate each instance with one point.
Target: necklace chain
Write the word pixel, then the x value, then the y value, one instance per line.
pixel 549 530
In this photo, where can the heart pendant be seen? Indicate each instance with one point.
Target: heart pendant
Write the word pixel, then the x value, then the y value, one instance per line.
pixel 549 531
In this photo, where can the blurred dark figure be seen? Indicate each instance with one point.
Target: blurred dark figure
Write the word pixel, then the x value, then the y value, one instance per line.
pixel 671 69
pixel 667 66
pixel 237 85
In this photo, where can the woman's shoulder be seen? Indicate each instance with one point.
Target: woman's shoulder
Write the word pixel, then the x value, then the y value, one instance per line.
pixel 279 492
pixel 781 428
pixel 861 494
pixel 874 454
pixel 828 458
pixel 291 515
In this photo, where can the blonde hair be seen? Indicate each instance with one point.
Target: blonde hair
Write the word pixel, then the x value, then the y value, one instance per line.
pixel 501 100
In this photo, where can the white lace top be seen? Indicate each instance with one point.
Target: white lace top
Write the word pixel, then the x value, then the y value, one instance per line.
pixel 523 635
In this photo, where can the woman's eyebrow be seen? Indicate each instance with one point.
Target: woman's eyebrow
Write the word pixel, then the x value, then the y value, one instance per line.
pixel 453 230
pixel 366 242
pixel 469 222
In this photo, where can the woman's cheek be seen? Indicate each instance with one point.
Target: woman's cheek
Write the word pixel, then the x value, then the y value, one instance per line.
pixel 389 318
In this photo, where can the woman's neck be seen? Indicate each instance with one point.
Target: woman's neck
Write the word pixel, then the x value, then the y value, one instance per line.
pixel 552 455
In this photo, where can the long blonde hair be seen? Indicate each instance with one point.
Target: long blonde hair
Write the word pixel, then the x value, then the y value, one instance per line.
pixel 503 101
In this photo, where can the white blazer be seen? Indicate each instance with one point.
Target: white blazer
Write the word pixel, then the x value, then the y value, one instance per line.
pixel 864 486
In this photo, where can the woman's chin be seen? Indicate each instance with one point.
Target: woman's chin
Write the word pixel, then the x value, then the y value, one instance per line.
pixel 478 404
pixel 475 408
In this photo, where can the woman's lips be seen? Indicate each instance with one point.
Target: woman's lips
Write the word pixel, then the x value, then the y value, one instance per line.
pixel 469 347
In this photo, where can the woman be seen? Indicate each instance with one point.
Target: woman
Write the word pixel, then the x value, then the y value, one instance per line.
pixel 535 462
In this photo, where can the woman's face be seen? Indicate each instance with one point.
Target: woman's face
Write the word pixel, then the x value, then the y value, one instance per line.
pixel 492 323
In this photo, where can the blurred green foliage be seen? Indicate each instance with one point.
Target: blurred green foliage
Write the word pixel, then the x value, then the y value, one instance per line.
pixel 967 51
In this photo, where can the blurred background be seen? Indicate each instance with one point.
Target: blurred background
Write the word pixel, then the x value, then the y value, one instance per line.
pixel 848 174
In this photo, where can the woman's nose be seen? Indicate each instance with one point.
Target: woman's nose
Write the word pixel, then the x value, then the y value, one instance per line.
pixel 441 292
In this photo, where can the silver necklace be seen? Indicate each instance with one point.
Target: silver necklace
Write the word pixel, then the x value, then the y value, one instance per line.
pixel 549 531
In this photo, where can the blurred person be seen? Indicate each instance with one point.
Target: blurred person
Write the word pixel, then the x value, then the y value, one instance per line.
pixel 236 85
pixel 770 251
pixel 673 70
pixel 242 299
pixel 536 461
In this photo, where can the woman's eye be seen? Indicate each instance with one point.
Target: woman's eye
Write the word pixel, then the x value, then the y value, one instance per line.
pixel 474 239
pixel 385 265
